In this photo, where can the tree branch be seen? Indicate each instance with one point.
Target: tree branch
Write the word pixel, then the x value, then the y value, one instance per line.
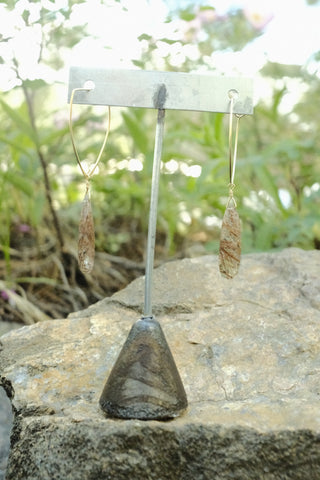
pixel 44 167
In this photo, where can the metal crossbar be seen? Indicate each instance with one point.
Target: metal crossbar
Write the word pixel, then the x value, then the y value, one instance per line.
pixel 180 91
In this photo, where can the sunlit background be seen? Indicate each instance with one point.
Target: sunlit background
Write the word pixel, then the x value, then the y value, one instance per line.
pixel 289 34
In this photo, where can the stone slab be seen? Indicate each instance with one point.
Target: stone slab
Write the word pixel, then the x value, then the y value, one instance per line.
pixel 248 353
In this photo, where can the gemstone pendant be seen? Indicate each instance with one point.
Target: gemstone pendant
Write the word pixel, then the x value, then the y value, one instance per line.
pixel 86 244
pixel 230 243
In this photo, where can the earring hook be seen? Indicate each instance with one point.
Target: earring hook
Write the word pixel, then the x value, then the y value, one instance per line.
pixel 231 164
pixel 89 174
pixel 233 94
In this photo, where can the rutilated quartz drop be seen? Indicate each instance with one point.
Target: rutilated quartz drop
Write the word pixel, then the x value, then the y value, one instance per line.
pixel 86 244
pixel 230 243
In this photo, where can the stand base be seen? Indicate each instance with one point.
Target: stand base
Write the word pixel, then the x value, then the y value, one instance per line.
pixel 144 382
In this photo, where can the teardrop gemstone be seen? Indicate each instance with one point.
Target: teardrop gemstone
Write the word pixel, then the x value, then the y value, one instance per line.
pixel 86 244
pixel 230 243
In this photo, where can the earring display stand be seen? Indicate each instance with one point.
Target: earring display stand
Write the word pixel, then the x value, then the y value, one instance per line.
pixel 144 382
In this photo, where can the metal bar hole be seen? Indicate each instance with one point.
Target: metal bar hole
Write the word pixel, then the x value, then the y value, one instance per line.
pixel 89 85
pixel 233 93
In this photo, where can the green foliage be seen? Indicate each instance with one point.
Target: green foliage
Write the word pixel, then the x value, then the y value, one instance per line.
pixel 277 152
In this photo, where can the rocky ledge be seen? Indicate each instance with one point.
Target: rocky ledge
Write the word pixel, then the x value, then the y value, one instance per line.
pixel 248 353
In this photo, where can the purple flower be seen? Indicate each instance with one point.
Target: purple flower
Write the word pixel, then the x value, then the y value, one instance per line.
pixel 24 228
pixel 4 295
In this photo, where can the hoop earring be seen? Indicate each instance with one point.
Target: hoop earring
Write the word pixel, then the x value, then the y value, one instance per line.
pixel 230 236
pixel 86 242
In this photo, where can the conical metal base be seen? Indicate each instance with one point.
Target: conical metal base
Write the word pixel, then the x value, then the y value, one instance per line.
pixel 144 382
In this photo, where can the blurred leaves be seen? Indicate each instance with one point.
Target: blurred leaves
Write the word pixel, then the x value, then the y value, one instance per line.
pixel 278 150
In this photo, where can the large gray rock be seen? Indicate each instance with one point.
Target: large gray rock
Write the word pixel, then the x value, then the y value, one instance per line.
pixel 248 353
pixel 5 428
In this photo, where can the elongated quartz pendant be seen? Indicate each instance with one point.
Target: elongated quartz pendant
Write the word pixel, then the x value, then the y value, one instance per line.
pixel 86 244
pixel 230 243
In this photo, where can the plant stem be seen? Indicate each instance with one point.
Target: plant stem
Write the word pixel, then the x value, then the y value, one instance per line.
pixel 44 167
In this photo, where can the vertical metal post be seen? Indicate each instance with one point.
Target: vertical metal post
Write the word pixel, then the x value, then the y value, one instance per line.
pixel 153 213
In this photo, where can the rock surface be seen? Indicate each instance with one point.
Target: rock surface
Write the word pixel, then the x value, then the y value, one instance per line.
pixel 5 429
pixel 248 353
